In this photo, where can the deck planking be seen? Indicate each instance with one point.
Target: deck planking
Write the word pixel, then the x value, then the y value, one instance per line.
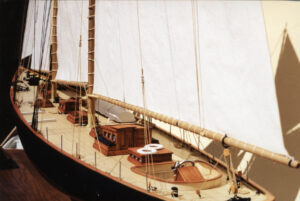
pixel 66 136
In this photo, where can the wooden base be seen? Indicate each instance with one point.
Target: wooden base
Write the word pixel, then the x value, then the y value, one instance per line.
pixel 26 182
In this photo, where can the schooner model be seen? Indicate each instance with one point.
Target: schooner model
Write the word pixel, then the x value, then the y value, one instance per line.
pixel 124 97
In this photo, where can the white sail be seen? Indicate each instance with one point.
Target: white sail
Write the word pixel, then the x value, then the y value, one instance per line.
pixel 41 39
pixel 237 94
pixel 116 51
pixel 72 22
pixel 29 31
pixel 37 34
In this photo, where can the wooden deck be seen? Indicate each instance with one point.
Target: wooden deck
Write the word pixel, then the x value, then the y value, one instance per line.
pixel 75 139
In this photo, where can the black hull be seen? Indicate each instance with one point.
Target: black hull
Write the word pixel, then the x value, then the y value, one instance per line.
pixel 69 175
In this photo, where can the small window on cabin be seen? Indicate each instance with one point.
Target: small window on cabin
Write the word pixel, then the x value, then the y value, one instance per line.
pixel 105 133
pixel 109 135
pixel 113 137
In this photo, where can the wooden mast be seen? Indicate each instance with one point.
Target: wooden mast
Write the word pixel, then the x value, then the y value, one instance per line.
pixel 91 56
pixel 204 132
pixel 54 62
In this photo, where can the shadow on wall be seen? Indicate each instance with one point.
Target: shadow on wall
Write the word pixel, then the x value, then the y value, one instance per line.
pixel 282 181
pixel 287 82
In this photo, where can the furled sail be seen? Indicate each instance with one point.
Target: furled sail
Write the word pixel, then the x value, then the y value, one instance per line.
pixel 236 87
pixel 72 29
pixel 37 34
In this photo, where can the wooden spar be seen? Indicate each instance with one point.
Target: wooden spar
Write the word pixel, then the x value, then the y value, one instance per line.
pixel 53 48
pixel 204 132
pixel 54 39
pixel 91 46
pixel 91 112
pixel 91 56
pixel 34 72
pixel 72 83
pixel 37 71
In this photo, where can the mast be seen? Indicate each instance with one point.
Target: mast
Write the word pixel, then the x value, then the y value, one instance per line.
pixel 53 48
pixel 91 56
pixel 204 132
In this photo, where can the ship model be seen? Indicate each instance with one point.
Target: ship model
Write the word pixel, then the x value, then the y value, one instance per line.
pixel 117 100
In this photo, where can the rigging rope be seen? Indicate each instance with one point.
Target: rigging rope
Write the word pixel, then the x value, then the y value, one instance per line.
pixel 42 47
pixel 197 57
pixel 149 157
pixel 79 74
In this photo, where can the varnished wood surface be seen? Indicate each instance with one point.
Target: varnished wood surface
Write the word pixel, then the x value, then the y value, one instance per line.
pixel 25 182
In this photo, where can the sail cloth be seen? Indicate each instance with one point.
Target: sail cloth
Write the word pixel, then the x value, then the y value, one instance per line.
pixel 237 74
pixel 237 94
pixel 72 21
pixel 37 34
pixel 41 40
pixel 117 68
pixel 29 31
pixel 114 112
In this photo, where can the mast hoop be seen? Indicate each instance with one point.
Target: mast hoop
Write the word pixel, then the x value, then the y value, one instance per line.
pixel 290 161
pixel 223 142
